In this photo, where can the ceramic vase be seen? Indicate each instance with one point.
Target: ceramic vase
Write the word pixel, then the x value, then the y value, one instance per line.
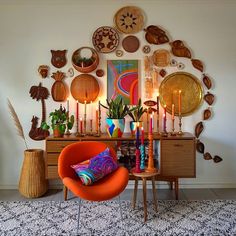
pixel 115 127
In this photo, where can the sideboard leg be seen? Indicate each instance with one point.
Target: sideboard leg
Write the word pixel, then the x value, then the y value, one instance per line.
pixel 65 190
pixel 177 189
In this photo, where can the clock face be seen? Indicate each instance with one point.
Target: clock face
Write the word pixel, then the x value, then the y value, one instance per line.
pixel 186 101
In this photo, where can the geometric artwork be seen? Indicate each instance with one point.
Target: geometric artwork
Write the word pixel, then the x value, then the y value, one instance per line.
pixel 122 80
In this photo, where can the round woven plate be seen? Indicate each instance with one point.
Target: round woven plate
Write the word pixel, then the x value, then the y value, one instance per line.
pixel 130 43
pixel 161 58
pixel 191 92
pixel 84 87
pixel 105 39
pixel 129 20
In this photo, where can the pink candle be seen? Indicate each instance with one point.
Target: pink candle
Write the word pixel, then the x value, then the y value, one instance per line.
pixel 77 110
pixel 180 102
pixel 81 125
pixel 142 135
pixel 137 136
pixel 150 124
pixel 173 112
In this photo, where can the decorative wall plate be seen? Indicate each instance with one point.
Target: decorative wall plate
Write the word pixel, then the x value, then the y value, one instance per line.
pixel 84 87
pixel 129 20
pixel 191 95
pixel 146 49
pixel 43 71
pixel 130 43
pixel 161 58
pixel 179 49
pixel 119 53
pixel 58 58
pixel 105 39
pixel 58 89
pixel 155 35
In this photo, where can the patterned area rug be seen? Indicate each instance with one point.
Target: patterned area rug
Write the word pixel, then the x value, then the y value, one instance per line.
pixel 217 217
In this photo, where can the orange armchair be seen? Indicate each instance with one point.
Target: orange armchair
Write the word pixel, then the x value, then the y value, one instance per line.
pixel 107 188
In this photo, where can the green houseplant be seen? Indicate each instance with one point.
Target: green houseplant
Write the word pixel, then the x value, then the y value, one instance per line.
pixel 59 122
pixel 136 114
pixel 116 112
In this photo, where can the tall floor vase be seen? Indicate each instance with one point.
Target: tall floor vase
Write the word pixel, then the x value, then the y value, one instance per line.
pixel 32 182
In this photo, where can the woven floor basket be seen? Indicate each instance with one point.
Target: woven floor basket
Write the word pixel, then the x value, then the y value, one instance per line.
pixel 32 182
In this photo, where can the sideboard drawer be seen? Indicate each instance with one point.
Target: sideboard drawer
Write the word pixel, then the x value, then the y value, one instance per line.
pixel 52 158
pixel 52 172
pixel 57 146
pixel 178 158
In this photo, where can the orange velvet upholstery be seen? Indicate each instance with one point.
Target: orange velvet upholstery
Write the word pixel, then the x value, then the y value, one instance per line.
pixel 107 188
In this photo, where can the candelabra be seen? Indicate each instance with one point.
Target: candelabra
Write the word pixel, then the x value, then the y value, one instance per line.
pixel 150 167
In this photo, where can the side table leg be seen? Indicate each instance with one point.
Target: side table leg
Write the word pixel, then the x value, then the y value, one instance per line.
pixel 177 189
pixel 65 189
pixel 135 191
pixel 144 199
pixel 154 193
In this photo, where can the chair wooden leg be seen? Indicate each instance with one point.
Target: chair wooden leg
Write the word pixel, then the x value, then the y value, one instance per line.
pixel 154 193
pixel 65 190
pixel 144 199
pixel 135 192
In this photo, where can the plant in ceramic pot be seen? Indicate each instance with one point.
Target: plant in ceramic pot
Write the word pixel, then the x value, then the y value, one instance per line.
pixel 59 122
pixel 136 114
pixel 116 112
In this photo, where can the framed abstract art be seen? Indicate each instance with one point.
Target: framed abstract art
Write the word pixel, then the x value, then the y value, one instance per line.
pixel 122 80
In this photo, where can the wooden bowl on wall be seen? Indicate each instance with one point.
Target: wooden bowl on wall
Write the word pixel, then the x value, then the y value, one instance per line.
pixel 85 63
pixel 84 87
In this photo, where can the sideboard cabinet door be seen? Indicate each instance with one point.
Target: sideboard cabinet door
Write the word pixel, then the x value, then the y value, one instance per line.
pixel 178 158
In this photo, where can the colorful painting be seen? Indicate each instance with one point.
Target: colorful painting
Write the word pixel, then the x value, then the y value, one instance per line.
pixel 122 80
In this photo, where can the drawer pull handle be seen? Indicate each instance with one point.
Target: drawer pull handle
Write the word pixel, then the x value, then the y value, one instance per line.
pixel 178 145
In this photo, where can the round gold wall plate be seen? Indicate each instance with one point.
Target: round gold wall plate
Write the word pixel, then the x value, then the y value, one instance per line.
pixel 191 93
pixel 129 20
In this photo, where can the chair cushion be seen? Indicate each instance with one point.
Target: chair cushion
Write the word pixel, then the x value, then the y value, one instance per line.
pixel 95 168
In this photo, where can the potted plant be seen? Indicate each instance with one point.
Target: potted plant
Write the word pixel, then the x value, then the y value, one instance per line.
pixel 136 114
pixel 116 112
pixel 59 122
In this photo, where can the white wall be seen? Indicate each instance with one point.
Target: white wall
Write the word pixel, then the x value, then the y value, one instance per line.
pixel 30 29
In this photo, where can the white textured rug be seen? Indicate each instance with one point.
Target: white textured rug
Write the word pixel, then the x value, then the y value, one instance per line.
pixel 209 217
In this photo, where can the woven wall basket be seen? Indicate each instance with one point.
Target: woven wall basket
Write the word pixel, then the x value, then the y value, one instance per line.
pixel 32 182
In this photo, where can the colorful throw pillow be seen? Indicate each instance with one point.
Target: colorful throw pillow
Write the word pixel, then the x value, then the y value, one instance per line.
pixel 96 168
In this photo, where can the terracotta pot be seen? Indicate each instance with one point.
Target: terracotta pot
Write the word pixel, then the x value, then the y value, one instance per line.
pixel 57 133
pixel 115 127
pixel 32 182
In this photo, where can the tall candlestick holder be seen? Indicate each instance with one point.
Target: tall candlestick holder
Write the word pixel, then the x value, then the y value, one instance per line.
pixel 158 127
pixel 164 132
pixel 173 128
pixel 142 154
pixel 85 124
pixel 137 161
pixel 150 167
pixel 67 121
pixel 98 134
pixel 180 132
pixel 90 127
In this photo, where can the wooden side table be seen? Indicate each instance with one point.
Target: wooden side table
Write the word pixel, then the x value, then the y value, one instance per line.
pixel 145 176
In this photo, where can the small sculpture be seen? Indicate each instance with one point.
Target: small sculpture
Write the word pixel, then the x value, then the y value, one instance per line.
pixel 198 129
pixel 197 64
pixel 43 71
pixel 209 98
pixel 58 58
pixel 207 81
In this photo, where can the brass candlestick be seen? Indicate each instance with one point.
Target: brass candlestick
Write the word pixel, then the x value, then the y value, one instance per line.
pixel 85 124
pixel 150 167
pixel 173 128
pixel 98 134
pixel 67 121
pixel 180 125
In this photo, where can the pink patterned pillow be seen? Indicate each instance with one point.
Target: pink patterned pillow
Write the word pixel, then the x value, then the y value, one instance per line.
pixel 96 168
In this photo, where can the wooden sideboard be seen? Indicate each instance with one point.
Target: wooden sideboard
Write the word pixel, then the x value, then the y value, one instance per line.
pixel 177 154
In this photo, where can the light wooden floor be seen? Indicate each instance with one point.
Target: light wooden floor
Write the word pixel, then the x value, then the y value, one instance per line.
pixel 162 194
